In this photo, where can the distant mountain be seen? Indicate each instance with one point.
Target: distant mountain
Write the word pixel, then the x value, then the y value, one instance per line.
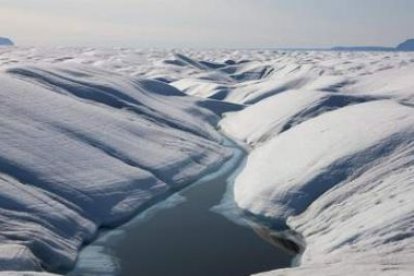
pixel 405 46
pixel 362 48
pixel 408 45
pixel 5 42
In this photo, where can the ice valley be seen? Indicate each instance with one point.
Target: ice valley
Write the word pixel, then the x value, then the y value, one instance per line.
pixel 91 137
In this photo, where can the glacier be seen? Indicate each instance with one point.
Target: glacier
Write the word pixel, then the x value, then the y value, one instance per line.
pixel 90 137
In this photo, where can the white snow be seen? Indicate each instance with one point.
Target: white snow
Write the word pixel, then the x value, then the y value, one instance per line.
pixel 276 114
pixel 318 154
pixel 335 163
pixel 83 148
pixel 89 136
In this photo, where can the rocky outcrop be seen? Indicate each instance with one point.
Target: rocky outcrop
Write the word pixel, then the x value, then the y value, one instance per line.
pixel 5 42
pixel 408 45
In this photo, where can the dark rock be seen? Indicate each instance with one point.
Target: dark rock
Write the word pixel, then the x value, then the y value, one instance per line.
pixel 362 48
pixel 5 42
pixel 406 46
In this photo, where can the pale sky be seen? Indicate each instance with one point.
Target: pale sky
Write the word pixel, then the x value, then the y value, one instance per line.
pixel 207 23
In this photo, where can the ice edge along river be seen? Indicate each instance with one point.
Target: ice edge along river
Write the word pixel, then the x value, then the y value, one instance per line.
pixel 98 258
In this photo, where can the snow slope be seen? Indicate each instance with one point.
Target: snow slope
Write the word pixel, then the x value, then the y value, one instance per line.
pixel 332 154
pixel 316 155
pixel 262 121
pixel 83 148
pixel 335 165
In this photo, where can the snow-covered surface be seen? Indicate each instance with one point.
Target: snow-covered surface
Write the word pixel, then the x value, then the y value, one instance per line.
pixel 334 162
pixel 320 153
pixel 90 135
pixel 83 148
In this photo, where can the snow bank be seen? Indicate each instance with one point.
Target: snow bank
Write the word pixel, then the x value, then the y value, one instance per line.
pixel 363 226
pixel 293 169
pixel 273 115
pixel 333 161
pixel 83 148
pixel 394 83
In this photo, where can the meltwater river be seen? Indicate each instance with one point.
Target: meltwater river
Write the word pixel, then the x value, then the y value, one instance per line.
pixel 183 237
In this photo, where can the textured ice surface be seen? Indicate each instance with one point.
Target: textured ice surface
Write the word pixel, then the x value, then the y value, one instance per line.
pixel 90 135
pixel 82 148
pixel 333 161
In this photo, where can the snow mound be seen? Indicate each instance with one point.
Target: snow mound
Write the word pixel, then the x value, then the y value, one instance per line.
pixel 363 226
pixel 295 168
pixel 331 162
pixel 344 181
pixel 254 80
pixel 260 122
pixel 83 148
pixel 394 83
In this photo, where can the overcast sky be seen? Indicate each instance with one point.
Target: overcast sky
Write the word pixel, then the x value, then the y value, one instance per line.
pixel 207 23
